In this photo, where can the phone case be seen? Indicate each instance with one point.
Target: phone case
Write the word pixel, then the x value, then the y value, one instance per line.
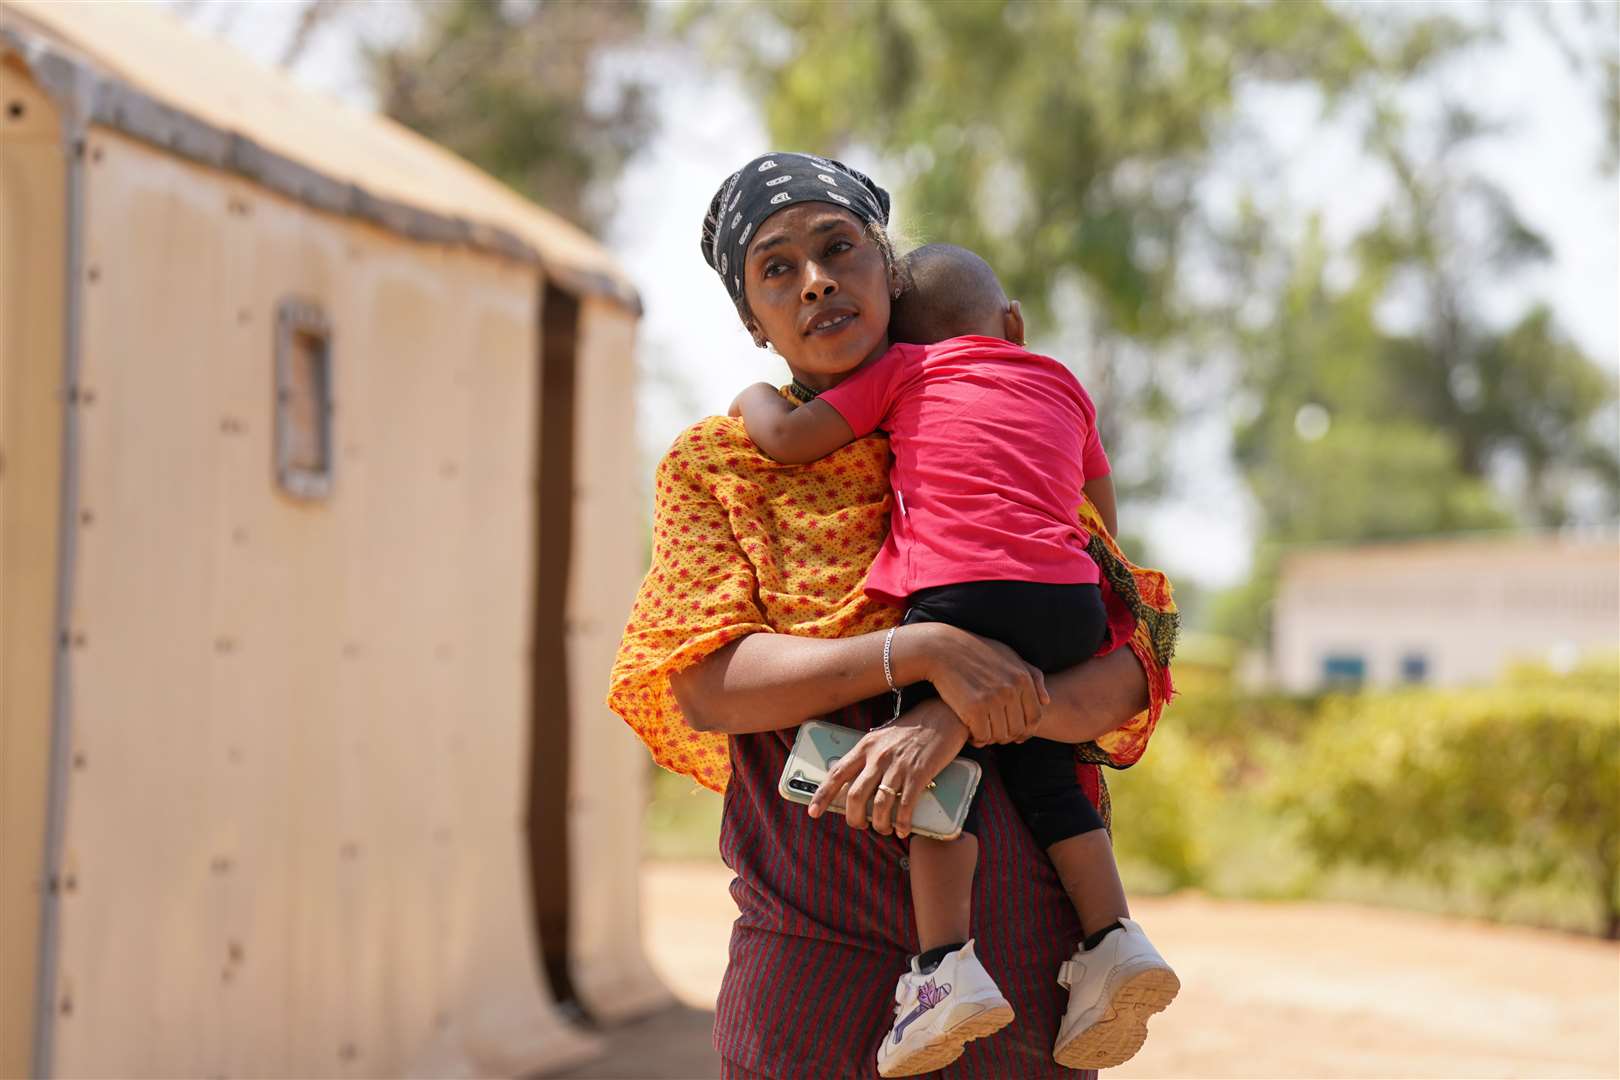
pixel 819 746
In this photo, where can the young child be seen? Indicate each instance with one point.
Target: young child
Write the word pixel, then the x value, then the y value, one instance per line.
pixel 993 448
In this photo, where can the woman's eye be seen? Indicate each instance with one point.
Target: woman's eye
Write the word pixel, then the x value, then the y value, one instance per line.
pixel 838 247
pixel 772 269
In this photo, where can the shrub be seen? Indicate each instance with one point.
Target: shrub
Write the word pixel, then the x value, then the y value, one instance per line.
pixel 1160 803
pixel 1506 787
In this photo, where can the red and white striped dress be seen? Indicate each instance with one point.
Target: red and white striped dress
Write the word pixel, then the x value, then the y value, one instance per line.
pixel 827 927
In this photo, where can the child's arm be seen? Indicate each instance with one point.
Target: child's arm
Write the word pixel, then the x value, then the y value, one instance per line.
pixel 787 433
pixel 1100 490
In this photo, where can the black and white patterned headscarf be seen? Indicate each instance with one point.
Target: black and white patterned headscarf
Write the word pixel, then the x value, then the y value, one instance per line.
pixel 775 182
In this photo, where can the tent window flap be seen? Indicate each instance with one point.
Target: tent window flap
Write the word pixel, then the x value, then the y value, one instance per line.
pixel 303 400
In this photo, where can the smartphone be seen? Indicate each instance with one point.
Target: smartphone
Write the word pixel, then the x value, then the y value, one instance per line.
pixel 940 811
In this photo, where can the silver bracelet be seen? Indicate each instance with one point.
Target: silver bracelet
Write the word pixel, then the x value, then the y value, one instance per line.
pixel 888 672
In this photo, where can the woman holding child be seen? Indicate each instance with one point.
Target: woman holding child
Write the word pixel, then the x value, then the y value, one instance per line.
pixel 754 618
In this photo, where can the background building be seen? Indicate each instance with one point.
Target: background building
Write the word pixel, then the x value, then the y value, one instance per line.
pixel 1443 612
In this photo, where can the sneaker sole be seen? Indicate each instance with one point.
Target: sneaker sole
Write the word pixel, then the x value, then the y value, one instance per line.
pixel 1120 1033
pixel 948 1045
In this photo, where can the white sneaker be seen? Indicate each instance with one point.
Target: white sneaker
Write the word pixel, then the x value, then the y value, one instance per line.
pixel 1113 989
pixel 936 1014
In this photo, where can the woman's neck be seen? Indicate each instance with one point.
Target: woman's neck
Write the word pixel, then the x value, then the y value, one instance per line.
pixel 817 381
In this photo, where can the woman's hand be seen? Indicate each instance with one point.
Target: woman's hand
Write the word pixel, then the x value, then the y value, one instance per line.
pixel 988 685
pixel 903 757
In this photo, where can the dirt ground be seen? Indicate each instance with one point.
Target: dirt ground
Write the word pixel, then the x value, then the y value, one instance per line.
pixel 1269 990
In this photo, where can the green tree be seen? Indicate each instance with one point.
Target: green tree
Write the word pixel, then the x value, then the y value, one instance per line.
pixel 1049 137
pixel 1526 395
pixel 1431 419
pixel 514 86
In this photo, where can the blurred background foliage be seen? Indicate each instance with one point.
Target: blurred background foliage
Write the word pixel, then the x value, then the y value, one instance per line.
pixel 1497 801
pixel 509 86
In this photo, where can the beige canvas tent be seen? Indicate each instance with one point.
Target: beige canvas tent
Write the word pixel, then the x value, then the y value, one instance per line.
pixel 314 541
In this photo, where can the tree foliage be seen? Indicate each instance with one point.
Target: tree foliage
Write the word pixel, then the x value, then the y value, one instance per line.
pixel 1434 418
pixel 1055 139
pixel 514 86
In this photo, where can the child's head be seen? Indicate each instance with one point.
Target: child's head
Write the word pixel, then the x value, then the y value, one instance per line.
pixel 951 292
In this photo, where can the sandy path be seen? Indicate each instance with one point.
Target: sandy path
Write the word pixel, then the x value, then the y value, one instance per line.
pixel 1271 989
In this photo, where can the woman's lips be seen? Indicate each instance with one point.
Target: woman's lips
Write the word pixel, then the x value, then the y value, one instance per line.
pixel 831 323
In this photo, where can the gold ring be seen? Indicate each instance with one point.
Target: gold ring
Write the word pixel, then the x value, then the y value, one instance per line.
pixel 890 790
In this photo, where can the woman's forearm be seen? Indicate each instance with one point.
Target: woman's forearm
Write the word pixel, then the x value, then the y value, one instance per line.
pixel 1094 698
pixel 770 681
pixel 766 682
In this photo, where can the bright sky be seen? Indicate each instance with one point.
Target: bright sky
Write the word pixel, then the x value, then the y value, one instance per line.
pixel 695 355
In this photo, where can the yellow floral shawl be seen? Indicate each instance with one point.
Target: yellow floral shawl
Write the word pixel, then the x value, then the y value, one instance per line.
pixel 743 545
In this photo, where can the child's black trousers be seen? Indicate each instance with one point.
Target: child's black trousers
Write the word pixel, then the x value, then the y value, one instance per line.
pixel 1052 627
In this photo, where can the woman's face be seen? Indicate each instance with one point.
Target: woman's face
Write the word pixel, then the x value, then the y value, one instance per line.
pixel 819 289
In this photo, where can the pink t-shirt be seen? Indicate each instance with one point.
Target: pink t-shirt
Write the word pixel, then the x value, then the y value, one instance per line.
pixel 992 445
